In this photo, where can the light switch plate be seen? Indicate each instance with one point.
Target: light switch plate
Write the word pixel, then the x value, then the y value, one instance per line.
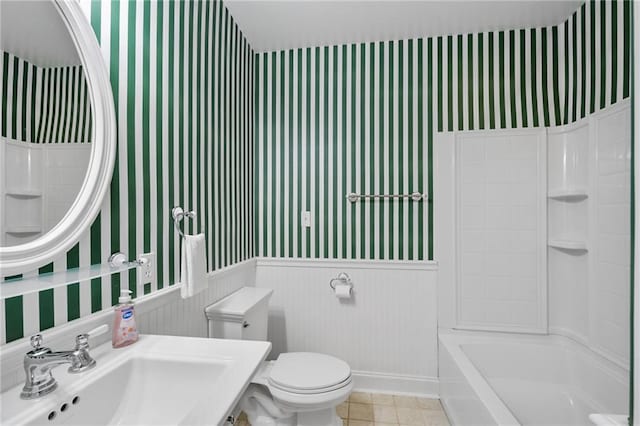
pixel 305 218
pixel 147 271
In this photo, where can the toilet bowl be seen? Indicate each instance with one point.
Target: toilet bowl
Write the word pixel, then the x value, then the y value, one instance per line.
pixel 298 388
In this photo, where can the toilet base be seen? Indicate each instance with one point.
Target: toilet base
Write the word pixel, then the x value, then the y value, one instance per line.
pixel 326 417
pixel 261 410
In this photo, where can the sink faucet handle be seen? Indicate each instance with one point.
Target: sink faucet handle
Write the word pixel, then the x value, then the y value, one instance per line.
pixel 36 341
pixel 82 341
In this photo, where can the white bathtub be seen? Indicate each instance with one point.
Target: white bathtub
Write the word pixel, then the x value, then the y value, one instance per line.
pixel 514 379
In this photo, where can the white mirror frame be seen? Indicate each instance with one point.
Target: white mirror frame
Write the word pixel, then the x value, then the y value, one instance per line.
pixel 29 256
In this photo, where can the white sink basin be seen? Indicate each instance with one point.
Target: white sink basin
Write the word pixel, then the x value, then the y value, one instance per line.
pixel 160 380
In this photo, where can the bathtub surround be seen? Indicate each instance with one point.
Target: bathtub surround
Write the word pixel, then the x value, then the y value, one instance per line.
pixel 361 118
pixel 182 80
pixel 44 104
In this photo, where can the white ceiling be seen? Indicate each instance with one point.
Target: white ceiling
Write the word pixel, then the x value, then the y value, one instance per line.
pixel 33 30
pixel 276 24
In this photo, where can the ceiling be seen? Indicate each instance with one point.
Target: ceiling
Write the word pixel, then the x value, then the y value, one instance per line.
pixel 33 30
pixel 276 25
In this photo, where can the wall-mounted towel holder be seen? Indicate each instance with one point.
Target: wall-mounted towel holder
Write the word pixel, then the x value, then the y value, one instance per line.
pixel 415 196
pixel 178 214
pixel 118 259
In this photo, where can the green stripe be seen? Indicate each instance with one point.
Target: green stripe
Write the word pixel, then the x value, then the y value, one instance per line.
pixel 131 137
pixel 614 51
pixel 603 54
pixel 160 259
pixel 449 81
pixel 282 163
pixel 96 258
pixel 410 153
pixel 583 59
pixel 5 87
pixel 13 316
pixel 556 77
pixel 14 100
pixel 421 146
pixel 470 75
pixel 460 85
pixel 325 145
pixel 73 290
pixel 592 57
pixel 492 102
pixel 114 68
pixel 566 74
pixel 390 160
pixel 545 85
pixel 574 57
pixel 429 155
pixel 337 199
pixel 401 172
pixel 440 84
pixel 382 162
pixel 481 78
pixel 501 82
pixel 512 78
pixel 626 12
pixel 146 174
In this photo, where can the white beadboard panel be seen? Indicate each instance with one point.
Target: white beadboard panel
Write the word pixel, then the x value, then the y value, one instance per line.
pixel 387 331
pixel 501 227
pixel 161 312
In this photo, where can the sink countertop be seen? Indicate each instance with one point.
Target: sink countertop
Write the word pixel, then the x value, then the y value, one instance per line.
pixel 235 360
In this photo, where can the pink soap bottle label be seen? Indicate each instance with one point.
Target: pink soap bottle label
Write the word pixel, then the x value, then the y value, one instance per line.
pixel 124 327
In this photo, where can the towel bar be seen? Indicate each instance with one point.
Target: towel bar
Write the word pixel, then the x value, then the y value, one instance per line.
pixel 178 214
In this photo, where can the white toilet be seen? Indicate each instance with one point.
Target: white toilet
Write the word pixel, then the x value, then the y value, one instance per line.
pixel 299 388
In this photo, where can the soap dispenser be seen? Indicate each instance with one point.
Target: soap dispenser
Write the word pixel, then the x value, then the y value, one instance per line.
pixel 124 321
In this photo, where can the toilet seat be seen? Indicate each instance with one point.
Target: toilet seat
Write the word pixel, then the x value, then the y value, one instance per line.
pixel 308 373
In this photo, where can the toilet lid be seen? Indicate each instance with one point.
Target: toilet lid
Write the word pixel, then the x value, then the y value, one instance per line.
pixel 306 371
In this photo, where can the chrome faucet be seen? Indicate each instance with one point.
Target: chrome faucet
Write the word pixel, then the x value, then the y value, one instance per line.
pixel 39 362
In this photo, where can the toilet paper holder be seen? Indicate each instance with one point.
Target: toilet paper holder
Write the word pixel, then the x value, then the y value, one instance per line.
pixel 343 278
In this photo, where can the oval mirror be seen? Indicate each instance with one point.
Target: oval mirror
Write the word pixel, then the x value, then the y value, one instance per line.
pixel 58 131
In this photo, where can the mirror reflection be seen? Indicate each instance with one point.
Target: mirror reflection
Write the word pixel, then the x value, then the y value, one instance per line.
pixel 46 121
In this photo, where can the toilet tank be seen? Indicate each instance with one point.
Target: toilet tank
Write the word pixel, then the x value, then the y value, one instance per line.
pixel 243 315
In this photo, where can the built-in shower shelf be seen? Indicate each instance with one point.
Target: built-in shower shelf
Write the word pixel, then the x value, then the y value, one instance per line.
pixel 568 245
pixel 24 193
pixel 568 194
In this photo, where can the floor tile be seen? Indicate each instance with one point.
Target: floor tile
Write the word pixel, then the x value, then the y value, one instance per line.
pixel 343 410
pixel 429 404
pixel 382 399
pixel 360 423
pixel 360 397
pixel 410 416
pixel 435 418
pixel 406 401
pixel 360 411
pixel 384 414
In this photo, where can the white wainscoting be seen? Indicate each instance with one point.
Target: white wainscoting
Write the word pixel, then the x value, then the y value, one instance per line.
pixel 387 332
pixel 161 312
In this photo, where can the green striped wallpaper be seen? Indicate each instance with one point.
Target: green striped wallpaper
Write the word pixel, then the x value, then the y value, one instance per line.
pixel 361 118
pixel 44 105
pixel 181 75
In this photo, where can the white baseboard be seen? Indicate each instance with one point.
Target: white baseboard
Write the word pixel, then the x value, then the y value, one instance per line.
pixel 366 381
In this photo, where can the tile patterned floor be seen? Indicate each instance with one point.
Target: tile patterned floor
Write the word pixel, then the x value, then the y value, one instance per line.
pixel 372 409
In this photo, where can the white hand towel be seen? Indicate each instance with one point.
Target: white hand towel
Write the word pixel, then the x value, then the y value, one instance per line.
pixel 193 273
